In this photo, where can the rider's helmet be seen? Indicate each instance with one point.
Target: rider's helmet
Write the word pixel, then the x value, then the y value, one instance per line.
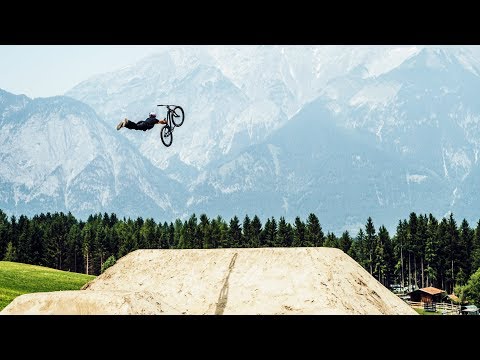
pixel 152 114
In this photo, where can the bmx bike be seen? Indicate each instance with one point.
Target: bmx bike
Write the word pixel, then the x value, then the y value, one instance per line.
pixel 175 117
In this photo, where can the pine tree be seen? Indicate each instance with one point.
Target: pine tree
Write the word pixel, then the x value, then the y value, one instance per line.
pixel 205 231
pixel 380 267
pixel 10 253
pixel 284 234
pixel 443 262
pixel 464 253
pixel 37 249
pixel 235 232
pixel 224 233
pixel 345 242
pixel 476 249
pixel 411 247
pixel 148 235
pixel 389 259
pixel 188 237
pixel 453 247
pixel 331 241
pixel 370 243
pixel 191 234
pixel 21 242
pixel 299 233
pixel 215 234
pixel 421 245
pixel 171 236
pixel 246 232
pixel 399 249
pixel 431 252
pixel 313 232
pixel 178 242
pixel 269 233
pixel 13 234
pixel 24 242
pixel 101 246
pixel 256 230
pixel 162 236
pixel 113 239
pixel 359 249
pixel 4 230
pixel 74 244
pixel 88 237
pixel 56 238
pixel 264 233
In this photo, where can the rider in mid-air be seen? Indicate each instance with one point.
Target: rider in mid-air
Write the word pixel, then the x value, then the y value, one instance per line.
pixel 144 125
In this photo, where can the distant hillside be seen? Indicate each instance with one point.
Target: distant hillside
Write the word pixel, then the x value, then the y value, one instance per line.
pixel 17 279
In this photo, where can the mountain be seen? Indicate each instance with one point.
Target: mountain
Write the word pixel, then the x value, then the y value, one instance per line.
pixel 58 155
pixel 383 146
pixel 425 110
pixel 342 132
pixel 233 96
pixel 315 165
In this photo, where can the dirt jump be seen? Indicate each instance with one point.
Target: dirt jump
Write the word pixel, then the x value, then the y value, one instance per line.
pixel 259 281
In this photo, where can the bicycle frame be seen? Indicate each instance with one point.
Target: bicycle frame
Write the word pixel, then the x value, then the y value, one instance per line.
pixel 170 112
pixel 167 130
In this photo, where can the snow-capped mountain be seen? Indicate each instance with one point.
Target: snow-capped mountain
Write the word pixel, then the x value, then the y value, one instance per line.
pixel 57 155
pixel 314 164
pixel 426 110
pixel 406 140
pixel 234 96
pixel 343 132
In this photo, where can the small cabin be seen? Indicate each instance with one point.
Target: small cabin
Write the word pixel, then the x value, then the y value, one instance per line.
pixel 427 295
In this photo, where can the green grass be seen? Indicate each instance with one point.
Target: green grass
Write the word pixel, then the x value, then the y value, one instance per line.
pixel 17 279
pixel 423 312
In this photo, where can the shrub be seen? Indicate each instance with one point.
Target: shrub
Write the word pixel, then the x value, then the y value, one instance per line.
pixel 109 262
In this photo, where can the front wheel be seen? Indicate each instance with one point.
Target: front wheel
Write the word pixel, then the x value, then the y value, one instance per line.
pixel 166 135
pixel 178 116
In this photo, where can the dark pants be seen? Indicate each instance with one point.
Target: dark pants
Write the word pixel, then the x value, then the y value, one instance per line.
pixel 141 125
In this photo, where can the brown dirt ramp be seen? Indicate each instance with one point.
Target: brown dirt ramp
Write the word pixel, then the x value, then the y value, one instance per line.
pixel 224 281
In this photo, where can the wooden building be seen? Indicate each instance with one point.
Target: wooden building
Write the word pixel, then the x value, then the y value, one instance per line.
pixel 427 295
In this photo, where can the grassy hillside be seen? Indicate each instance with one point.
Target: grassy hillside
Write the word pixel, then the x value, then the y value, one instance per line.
pixel 17 279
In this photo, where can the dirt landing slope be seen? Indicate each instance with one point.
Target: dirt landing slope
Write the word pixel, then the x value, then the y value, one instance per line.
pixel 224 281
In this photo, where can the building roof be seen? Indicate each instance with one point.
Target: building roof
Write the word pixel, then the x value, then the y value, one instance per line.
pixel 454 297
pixel 431 290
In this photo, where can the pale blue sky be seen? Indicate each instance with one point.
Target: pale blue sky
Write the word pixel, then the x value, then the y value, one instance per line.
pixel 49 70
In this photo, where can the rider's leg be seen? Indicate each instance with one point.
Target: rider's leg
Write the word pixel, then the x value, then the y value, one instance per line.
pixel 131 125
pixel 141 125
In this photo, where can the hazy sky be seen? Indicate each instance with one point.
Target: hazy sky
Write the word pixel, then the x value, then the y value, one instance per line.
pixel 49 70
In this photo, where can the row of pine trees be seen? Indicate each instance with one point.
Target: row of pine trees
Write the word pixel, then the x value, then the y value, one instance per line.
pixel 423 251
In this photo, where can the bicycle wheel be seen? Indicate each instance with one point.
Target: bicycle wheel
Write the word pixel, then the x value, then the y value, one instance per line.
pixel 178 116
pixel 166 135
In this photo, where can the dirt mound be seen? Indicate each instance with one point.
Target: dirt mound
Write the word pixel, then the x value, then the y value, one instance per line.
pixel 224 281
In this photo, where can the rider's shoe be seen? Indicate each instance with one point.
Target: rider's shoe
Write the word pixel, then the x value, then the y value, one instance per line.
pixel 122 124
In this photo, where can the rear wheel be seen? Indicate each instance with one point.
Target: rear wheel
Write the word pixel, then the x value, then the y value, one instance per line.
pixel 178 116
pixel 166 135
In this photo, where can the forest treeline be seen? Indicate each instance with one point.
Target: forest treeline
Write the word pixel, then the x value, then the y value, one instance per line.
pixel 422 252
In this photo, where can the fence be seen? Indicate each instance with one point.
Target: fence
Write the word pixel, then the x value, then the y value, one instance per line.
pixel 444 308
